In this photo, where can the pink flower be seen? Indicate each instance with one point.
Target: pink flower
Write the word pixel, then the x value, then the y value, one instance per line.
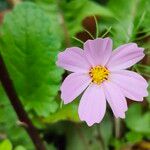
pixel 100 73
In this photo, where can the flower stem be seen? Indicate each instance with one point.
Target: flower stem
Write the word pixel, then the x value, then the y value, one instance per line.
pixel 18 107
pixel 97 29
pixel 82 136
pixel 108 30
pixel 117 123
pixel 89 33
pixel 100 137
pixel 78 40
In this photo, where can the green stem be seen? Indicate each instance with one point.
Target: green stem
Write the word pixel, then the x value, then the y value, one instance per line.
pixel 117 123
pixel 97 29
pixel 78 40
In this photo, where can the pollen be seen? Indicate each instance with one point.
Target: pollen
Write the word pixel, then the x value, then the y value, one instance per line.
pixel 99 74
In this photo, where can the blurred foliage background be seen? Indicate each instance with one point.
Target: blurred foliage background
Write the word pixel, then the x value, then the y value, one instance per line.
pixel 31 35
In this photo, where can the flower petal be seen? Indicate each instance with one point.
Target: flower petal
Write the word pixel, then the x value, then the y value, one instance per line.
pixel 115 99
pixel 125 56
pixel 73 59
pixel 98 51
pixel 73 86
pixel 92 106
pixel 132 84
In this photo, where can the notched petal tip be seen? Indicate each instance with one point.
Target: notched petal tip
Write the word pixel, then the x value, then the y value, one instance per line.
pixel 90 123
pixel 92 105
pixel 122 116
pixel 98 39
pixel 73 86
pixel 146 93
pixel 133 85
pixel 125 56
pixel 107 38
pixel 66 101
pixel 141 49
pixel 98 51
pixel 59 57
pixel 116 99
pixel 73 59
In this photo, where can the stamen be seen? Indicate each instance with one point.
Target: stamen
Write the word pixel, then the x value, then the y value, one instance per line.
pixel 99 74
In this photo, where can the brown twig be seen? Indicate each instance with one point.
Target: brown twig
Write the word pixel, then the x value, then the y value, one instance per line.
pixel 18 107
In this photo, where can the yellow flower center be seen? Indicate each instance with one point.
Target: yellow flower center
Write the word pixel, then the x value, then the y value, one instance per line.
pixel 99 74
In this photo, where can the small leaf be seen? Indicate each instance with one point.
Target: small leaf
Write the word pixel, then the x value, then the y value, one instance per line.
pixel 137 121
pixel 5 145
pixel 20 148
pixel 67 112
pixel 133 137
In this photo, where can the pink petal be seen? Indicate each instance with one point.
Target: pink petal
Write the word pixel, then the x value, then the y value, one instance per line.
pixel 73 59
pixel 98 51
pixel 73 86
pixel 92 106
pixel 115 99
pixel 132 84
pixel 125 56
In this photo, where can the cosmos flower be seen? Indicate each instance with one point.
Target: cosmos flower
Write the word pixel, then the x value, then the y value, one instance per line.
pixel 100 73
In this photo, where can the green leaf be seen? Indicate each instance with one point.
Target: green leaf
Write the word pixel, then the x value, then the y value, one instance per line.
pixel 76 10
pixel 29 46
pixel 70 14
pixel 137 121
pixel 20 148
pixel 133 137
pixel 144 69
pixel 67 112
pixel 142 19
pixel 106 129
pixel 130 16
pixel 83 138
pixel 117 143
pixel 5 145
